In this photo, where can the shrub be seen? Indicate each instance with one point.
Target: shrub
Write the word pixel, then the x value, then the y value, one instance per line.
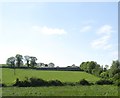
pixel 24 83
pixel 38 82
pixel 71 84
pixel 33 82
pixel 55 83
pixel 104 75
pixel 17 82
pixel 117 82
pixel 104 82
pixel 116 77
pixel 84 82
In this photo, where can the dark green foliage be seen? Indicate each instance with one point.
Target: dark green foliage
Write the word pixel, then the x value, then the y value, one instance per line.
pixel 117 82
pixel 33 61
pixel 55 83
pixel 27 58
pixel 38 82
pixel 11 62
pixel 25 83
pixel 46 65
pixel 116 79
pixel 116 76
pixel 33 82
pixel 97 71
pixel 106 68
pixel 84 82
pixel 71 84
pixel 19 60
pixel 91 67
pixel 114 69
pixel 104 82
pixel 104 75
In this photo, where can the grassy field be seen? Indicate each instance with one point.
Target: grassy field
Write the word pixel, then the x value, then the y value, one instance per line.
pixel 95 90
pixel 8 76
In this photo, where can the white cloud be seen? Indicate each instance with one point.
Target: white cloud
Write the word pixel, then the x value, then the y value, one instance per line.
pixel 109 46
pixel 103 41
pixel 86 28
pixel 49 31
pixel 106 29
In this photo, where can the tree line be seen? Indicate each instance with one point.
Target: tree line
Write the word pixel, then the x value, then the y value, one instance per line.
pixel 17 61
pixel 113 73
pixel 90 66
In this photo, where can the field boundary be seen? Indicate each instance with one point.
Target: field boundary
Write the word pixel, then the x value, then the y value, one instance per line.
pixel 55 68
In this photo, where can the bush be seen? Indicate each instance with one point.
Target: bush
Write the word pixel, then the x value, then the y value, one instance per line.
pixel 70 84
pixel 104 75
pixel 33 82
pixel 17 82
pixel 38 82
pixel 84 82
pixel 117 82
pixel 116 77
pixel 24 83
pixel 55 83
pixel 104 82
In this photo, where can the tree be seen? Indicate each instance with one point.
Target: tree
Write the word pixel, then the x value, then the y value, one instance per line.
pixel 104 75
pixel 46 65
pixel 19 60
pixel 114 69
pixel 88 66
pixel 106 67
pixel 11 61
pixel 97 70
pixel 51 65
pixel 27 58
pixel 83 66
pixel 33 61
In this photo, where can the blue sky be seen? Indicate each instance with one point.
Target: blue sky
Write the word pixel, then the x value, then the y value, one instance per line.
pixel 62 33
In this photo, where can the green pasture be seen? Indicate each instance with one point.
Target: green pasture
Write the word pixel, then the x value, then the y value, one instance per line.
pixel 95 90
pixel 8 76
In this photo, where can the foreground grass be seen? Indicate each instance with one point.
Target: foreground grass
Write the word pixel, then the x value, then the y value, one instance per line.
pixel 95 90
pixel 8 76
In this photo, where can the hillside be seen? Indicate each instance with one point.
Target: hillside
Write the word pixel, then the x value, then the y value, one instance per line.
pixel 8 76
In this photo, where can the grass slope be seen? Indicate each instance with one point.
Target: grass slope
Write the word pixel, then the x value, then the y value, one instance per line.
pixel 8 76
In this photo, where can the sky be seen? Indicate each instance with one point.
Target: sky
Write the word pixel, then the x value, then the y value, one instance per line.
pixel 64 33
